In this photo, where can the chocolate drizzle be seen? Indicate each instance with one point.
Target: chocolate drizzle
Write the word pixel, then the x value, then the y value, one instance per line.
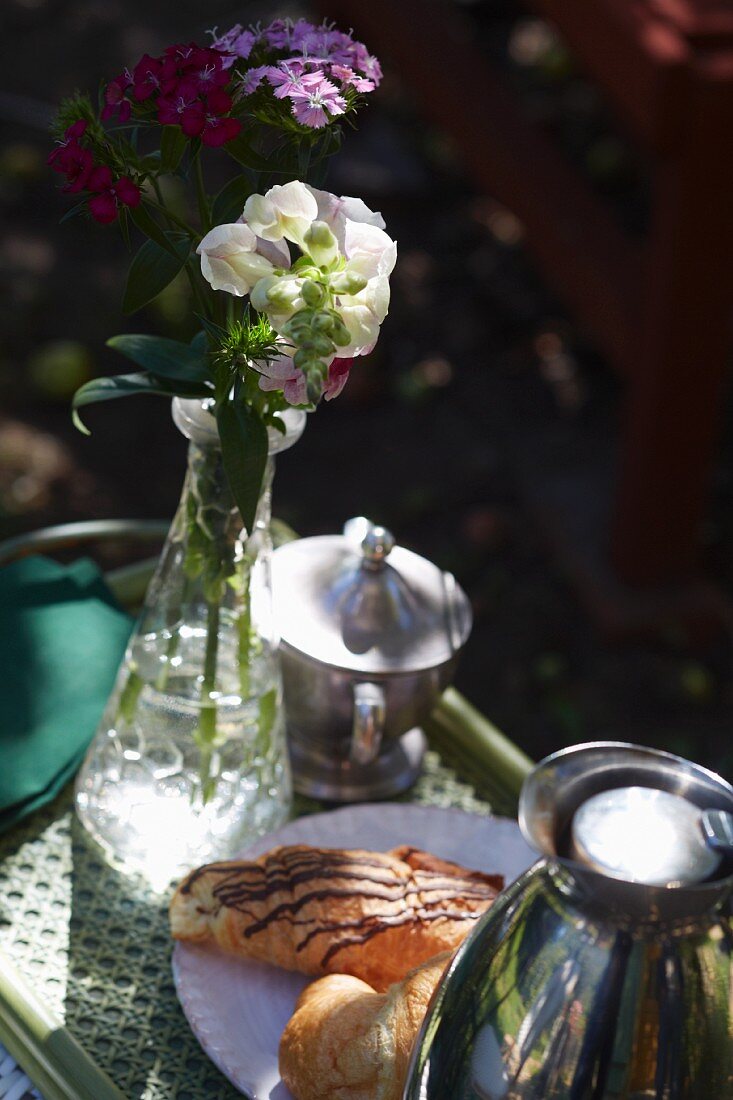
pixel 411 887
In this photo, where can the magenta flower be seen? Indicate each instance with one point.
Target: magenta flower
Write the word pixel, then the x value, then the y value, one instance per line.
pixel 77 164
pixel 181 52
pixel 180 109
pixel 218 131
pixel 338 376
pixel 115 98
pixel 76 130
pixel 154 76
pixel 127 192
pixel 205 67
pixel 104 204
pixel 71 159
pixel 316 108
pixel 196 100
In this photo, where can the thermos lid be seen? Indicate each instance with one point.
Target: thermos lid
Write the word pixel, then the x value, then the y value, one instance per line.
pixel 640 816
pixel 643 835
pixel 358 602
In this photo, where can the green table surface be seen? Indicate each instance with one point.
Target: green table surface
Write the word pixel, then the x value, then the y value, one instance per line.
pixel 94 947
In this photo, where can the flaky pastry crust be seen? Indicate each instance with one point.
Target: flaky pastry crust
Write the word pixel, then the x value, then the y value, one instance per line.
pixel 345 1041
pixel 374 915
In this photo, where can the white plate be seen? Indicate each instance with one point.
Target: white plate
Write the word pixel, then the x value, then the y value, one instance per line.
pixel 238 1008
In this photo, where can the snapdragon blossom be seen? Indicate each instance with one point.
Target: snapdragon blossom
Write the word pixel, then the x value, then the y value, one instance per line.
pixel 329 302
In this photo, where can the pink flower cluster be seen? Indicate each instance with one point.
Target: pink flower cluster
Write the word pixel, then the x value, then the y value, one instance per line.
pixel 76 162
pixel 282 374
pixel 320 65
pixel 187 84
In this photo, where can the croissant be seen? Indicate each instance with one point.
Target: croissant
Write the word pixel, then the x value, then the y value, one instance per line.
pixel 375 915
pixel 347 1042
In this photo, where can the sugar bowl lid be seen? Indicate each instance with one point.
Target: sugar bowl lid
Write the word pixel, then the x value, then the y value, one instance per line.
pixel 358 602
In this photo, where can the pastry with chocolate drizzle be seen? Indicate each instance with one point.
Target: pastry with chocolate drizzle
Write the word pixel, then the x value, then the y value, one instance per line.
pixel 375 915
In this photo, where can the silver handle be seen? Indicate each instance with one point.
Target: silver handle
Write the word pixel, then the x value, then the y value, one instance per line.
pixel 370 710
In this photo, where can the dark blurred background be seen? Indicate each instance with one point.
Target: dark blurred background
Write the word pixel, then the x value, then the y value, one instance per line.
pixel 479 380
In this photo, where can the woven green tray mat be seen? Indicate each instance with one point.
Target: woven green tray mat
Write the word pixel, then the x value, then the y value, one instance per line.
pixel 94 945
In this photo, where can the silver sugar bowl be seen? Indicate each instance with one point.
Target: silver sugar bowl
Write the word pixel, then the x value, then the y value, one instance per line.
pixel 605 972
pixel 370 637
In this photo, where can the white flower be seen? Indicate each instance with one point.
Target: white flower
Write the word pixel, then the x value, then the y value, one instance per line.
pixel 232 258
pixel 363 313
pixel 340 294
pixel 335 212
pixel 369 251
pixel 286 210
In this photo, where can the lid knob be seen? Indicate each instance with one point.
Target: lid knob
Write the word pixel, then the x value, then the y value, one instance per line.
pixel 376 546
pixel 717 827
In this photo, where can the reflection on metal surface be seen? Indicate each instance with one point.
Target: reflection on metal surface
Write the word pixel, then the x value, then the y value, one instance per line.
pixel 643 835
pixel 717 827
pixel 488 1072
pixel 577 986
pixel 370 636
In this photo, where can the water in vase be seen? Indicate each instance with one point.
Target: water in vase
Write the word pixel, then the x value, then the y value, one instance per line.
pixel 189 763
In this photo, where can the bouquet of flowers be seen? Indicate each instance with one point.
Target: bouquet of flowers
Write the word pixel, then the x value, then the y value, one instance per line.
pixel 289 284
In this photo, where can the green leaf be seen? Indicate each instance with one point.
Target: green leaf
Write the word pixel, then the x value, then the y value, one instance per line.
pixel 230 200
pixel 240 150
pixel 73 212
pixel 123 385
pixel 199 343
pixel 244 453
pixel 150 162
pixel 173 144
pixel 150 272
pixel 145 222
pixel 162 357
pixel 216 333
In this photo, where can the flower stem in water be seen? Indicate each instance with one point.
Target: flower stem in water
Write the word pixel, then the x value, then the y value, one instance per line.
pixel 129 697
pixel 244 628
pixel 207 716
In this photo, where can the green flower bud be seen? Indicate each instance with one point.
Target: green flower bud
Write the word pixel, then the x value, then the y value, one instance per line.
pixel 321 244
pixel 314 389
pixel 323 322
pixel 347 282
pixel 322 345
pixel 341 335
pixel 313 294
pixel 299 324
pixel 304 359
pixel 283 293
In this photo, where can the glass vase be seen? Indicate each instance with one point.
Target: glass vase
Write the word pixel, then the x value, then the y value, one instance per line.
pixel 189 762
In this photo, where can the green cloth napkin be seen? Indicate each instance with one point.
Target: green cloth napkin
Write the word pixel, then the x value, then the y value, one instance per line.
pixel 62 637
